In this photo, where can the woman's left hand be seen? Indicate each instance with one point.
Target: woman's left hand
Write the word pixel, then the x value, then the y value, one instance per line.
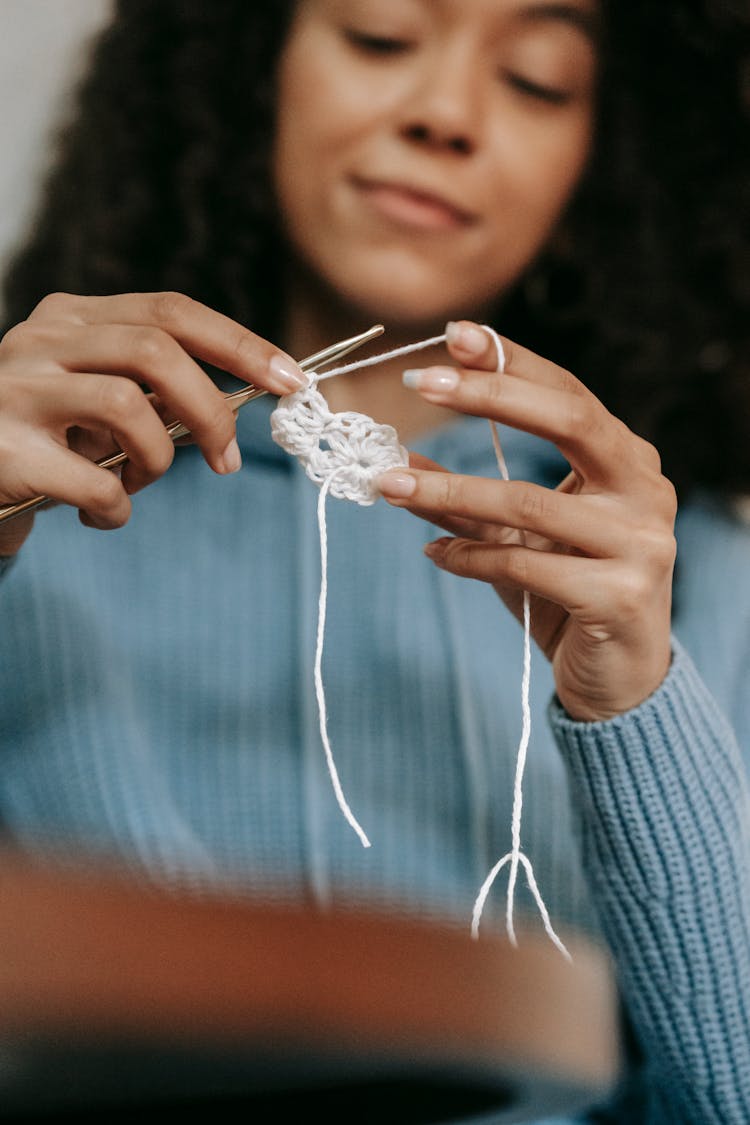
pixel 596 554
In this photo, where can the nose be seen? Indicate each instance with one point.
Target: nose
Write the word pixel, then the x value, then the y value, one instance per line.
pixel 443 109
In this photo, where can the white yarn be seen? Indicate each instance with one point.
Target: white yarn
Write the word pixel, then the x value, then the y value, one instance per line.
pixel 348 451
pixel 515 856
pixel 383 357
pixel 344 454
pixel 319 689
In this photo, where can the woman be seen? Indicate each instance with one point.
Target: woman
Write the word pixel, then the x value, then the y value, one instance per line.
pixel 430 161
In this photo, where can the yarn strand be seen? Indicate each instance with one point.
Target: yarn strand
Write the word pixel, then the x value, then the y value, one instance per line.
pixel 344 454
pixel 515 857
pixel 383 357
pixel 319 689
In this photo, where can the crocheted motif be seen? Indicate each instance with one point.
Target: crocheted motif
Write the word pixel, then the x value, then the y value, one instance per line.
pixel 347 450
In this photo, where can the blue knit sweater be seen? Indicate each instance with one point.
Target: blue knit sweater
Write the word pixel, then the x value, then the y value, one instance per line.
pixel 157 703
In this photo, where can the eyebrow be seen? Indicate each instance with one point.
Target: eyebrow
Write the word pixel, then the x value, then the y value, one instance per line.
pixel 587 20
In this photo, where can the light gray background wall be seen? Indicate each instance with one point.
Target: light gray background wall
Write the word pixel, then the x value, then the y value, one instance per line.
pixel 43 47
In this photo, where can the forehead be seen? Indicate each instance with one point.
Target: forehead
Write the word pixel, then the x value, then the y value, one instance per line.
pixel 524 9
pixel 583 15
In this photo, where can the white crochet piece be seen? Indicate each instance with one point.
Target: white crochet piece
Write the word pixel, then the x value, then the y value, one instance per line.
pixel 348 451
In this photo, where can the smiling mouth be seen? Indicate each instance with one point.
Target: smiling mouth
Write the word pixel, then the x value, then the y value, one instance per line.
pixel 410 207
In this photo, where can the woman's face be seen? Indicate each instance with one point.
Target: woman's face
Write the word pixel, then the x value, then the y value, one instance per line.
pixel 425 149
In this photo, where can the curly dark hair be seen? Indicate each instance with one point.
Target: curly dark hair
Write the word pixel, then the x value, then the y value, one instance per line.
pixel 163 183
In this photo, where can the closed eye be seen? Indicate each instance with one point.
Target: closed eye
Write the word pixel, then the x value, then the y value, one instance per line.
pixel 376 44
pixel 550 94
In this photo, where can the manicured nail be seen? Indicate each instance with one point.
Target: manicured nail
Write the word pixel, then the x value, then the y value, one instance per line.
pixel 231 458
pixel 287 374
pixel 469 338
pixel 436 379
pixel 398 486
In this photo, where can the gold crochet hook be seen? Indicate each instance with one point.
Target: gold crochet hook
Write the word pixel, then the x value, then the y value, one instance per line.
pixel 235 400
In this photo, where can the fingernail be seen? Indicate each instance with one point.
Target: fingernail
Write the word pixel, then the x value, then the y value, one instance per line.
pixel 435 379
pixel 231 458
pixel 469 338
pixel 397 485
pixel 435 550
pixel 287 374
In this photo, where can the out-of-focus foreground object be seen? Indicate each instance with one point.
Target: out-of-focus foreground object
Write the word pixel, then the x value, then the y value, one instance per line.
pixel 119 997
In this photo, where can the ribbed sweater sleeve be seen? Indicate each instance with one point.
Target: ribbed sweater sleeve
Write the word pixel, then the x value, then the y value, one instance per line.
pixel 661 797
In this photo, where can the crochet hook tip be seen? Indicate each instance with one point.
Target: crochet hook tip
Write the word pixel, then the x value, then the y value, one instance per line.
pixel 335 352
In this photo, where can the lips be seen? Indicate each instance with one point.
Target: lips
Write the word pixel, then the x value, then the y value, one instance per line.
pixel 412 205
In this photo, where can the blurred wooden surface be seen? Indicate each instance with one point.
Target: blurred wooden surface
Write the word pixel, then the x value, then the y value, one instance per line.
pixel 114 992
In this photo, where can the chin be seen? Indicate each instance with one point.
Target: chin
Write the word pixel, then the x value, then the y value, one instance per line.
pixel 415 293
pixel 418 304
pixel 417 317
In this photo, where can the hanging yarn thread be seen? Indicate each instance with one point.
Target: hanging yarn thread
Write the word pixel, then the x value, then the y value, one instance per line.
pixel 344 454
pixel 515 856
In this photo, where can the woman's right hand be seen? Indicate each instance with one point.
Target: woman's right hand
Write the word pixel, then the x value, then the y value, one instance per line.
pixel 71 379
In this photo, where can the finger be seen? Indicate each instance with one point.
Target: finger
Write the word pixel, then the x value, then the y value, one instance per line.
pixel 597 445
pixel 96 445
pixel 479 353
pixel 94 415
pixel 167 417
pixel 71 479
pixel 570 484
pixel 468 529
pixel 92 443
pixel 585 524
pixel 472 345
pixel 153 357
pixel 557 578
pixel 204 333
pixel 116 405
pixel 465 529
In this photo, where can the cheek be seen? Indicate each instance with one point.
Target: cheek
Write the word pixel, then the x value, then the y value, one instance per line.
pixel 297 121
pixel 542 173
pixel 316 123
pixel 556 164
